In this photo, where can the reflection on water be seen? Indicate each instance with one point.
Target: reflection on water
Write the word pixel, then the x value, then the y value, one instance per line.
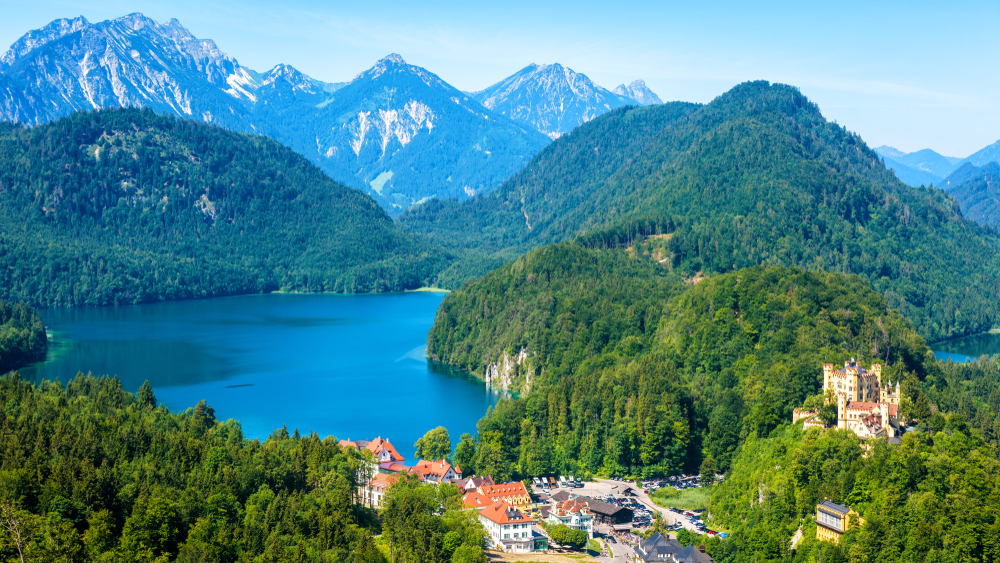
pixel 967 348
pixel 350 366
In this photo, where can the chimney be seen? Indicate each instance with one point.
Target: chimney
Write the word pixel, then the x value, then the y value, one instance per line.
pixel 701 548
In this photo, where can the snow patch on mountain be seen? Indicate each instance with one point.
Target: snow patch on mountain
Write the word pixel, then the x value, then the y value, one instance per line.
pixel 639 92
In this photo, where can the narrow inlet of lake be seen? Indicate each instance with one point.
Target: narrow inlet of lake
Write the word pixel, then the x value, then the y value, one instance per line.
pixel 351 366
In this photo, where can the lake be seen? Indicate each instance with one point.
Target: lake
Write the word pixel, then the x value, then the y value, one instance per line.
pixel 352 366
pixel 967 348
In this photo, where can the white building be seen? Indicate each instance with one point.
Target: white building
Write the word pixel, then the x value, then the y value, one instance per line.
pixel 508 528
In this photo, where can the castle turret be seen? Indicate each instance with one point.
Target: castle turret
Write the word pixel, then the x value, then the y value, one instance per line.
pixel 841 411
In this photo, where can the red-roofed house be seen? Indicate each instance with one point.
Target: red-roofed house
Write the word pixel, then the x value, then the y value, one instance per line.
pixel 475 500
pixel 437 471
pixel 512 493
pixel 508 528
pixel 470 484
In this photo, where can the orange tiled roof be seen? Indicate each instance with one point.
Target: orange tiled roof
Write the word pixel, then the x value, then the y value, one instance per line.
pixel 504 490
pixel 378 444
pixel 503 513
pixel 383 480
pixel 439 467
pixel 475 500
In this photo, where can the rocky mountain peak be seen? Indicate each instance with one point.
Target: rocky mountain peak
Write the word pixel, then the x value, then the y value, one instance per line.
pixel 639 92
pixel 38 37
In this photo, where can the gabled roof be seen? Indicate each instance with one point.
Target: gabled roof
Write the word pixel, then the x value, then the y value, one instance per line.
pixel 374 446
pixel 561 496
pixel 383 480
pixel 475 500
pixel 439 468
pixel 503 513
pixel 504 490
pixel 378 444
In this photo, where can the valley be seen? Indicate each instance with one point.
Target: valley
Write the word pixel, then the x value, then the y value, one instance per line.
pixel 250 317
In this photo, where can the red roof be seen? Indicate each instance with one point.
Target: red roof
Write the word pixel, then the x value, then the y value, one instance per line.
pixel 893 410
pixel 504 490
pixel 439 468
pixel 503 513
pixel 475 500
pixel 383 480
pixel 861 406
pixel 378 444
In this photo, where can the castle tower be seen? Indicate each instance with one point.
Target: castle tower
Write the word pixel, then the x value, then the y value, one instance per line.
pixel 841 411
pixel 828 370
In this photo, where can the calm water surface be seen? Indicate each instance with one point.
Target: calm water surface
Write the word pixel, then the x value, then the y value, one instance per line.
pixel 968 348
pixel 351 366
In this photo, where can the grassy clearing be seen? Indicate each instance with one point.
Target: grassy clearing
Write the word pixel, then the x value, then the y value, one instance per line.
pixel 687 499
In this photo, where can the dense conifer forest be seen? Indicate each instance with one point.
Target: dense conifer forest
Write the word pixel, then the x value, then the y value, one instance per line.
pixel 22 336
pixel 90 472
pixel 124 206
pixel 757 176
pixel 633 372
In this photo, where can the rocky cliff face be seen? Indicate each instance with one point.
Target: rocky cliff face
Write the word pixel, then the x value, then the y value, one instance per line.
pixel 510 373
pixel 639 92
pixel 550 98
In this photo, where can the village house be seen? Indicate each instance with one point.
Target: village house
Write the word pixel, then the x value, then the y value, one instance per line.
pixel 386 458
pixel 508 528
pixel 373 493
pixel 573 514
pixel 832 520
pixel 660 548
pixel 512 493
pixel 604 512
pixel 470 484
pixel 439 471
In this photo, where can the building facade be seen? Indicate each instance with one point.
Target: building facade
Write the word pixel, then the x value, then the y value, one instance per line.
pixel 507 528
pixel 573 514
pixel 865 405
pixel 512 493
pixel 833 519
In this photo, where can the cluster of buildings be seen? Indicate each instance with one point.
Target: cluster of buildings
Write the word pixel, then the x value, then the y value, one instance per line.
pixel 864 405
pixel 661 548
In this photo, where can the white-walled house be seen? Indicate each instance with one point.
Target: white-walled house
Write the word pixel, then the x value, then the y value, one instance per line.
pixel 507 527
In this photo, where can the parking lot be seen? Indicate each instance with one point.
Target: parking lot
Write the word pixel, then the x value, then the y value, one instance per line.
pixel 627 494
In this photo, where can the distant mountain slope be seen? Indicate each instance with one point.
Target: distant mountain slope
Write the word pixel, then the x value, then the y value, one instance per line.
pixel 757 176
pixel 929 161
pixel 977 190
pixel 124 206
pixel 397 132
pixel 639 92
pixel 402 134
pixel 990 153
pixel 912 176
pixel 550 98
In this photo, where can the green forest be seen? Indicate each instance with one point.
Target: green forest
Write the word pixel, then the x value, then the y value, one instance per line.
pixel 125 206
pixel 933 498
pixel 22 336
pixel 637 373
pixel 90 472
pixel 756 177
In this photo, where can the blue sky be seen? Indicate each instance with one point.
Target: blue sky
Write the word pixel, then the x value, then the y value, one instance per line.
pixel 909 74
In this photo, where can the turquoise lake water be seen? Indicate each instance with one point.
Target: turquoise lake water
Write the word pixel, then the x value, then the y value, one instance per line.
pixel 350 366
pixel 967 348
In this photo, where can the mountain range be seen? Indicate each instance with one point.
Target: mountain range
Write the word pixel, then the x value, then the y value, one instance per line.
pixel 927 167
pixel 757 176
pixel 396 131
pixel 554 99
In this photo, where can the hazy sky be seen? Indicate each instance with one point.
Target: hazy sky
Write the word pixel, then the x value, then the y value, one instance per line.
pixel 909 74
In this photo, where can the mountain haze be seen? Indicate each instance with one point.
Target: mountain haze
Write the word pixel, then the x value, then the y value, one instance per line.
pixel 639 92
pixel 757 176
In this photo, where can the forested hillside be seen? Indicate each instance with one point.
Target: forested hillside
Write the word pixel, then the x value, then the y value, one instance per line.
pixel 933 498
pixel 124 206
pixel 757 176
pixel 22 335
pixel 89 472
pixel 632 373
